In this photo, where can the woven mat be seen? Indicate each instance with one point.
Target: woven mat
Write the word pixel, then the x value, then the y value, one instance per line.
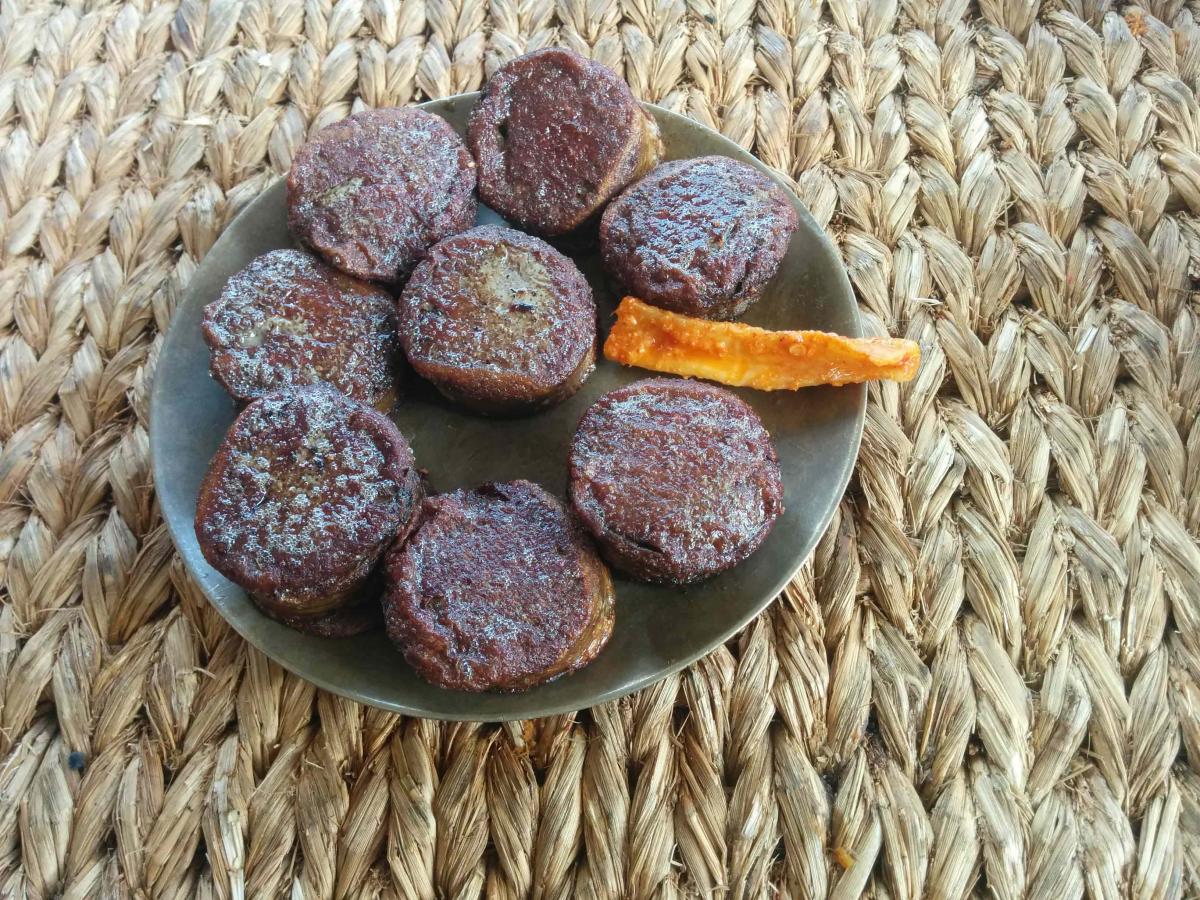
pixel 987 679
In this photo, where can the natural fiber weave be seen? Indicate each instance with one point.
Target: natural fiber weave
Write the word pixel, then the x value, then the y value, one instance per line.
pixel 986 681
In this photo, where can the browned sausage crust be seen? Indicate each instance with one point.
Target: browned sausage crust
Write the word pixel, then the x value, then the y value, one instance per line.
pixel 698 236
pixel 499 321
pixel 303 496
pixel 357 616
pixel 287 319
pixel 373 192
pixel 677 480
pixel 497 589
pixel 555 137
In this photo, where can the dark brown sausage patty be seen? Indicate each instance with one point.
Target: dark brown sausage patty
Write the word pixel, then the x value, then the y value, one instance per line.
pixel 699 236
pixel 287 319
pixel 303 496
pixel 373 192
pixel 555 137
pixel 497 589
pixel 499 321
pixel 361 613
pixel 677 480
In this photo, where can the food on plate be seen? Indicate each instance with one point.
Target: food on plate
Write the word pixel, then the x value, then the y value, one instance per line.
pixel 287 319
pixel 555 137
pixel 698 236
pixel 677 480
pixel 744 356
pixel 361 613
pixel 313 503
pixel 499 321
pixel 303 496
pixel 497 589
pixel 373 192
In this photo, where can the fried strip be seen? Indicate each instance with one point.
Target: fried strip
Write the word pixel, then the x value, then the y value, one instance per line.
pixel 744 356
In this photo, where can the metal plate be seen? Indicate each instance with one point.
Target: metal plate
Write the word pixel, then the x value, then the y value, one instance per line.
pixel 658 630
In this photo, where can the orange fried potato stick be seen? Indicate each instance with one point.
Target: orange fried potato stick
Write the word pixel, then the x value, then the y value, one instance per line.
pixel 745 356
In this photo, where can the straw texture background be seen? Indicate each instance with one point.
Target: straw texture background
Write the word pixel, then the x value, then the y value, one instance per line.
pixel 986 682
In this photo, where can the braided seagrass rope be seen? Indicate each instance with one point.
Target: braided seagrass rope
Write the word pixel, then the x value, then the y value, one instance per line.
pixel 986 682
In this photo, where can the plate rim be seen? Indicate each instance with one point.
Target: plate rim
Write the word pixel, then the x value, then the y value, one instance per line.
pixel 174 335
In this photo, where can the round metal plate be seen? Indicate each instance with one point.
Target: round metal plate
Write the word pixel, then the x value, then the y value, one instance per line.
pixel 658 630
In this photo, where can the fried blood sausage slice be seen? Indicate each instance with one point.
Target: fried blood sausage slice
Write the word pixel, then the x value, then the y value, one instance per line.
pixel 497 589
pixel 302 498
pixel 677 480
pixel 698 236
pixel 499 321
pixel 356 617
pixel 556 136
pixel 287 319
pixel 373 192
